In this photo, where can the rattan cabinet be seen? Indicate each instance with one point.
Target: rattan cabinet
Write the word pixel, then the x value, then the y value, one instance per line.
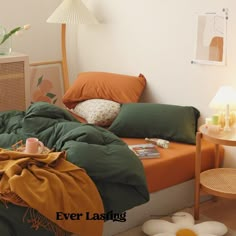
pixel 14 88
pixel 220 182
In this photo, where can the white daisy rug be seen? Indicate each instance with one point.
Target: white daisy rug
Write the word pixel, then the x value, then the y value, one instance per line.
pixel 137 231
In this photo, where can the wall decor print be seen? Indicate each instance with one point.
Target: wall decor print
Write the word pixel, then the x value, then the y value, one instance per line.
pixel 211 38
pixel 46 82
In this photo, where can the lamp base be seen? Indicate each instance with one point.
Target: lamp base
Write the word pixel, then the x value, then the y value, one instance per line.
pixel 227 127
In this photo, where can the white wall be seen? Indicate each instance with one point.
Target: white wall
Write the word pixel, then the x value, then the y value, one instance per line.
pixel 157 38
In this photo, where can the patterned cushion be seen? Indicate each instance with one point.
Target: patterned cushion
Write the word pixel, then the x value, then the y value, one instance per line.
pixel 98 111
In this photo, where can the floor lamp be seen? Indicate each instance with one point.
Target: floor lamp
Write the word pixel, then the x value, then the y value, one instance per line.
pixel 70 12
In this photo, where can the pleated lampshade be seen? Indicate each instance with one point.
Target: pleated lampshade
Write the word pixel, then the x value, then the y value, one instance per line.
pixel 72 12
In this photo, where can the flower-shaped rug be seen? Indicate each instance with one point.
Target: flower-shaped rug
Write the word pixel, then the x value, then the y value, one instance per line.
pixel 183 225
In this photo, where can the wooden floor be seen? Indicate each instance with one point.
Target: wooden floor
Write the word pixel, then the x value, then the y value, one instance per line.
pixel 219 209
pixel 222 210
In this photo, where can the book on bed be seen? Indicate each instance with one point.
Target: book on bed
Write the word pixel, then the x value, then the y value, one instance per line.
pixel 147 150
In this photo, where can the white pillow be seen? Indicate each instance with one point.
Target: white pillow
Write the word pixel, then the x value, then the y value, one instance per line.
pixel 98 111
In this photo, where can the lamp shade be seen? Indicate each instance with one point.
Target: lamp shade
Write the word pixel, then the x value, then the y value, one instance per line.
pixel 226 96
pixel 72 12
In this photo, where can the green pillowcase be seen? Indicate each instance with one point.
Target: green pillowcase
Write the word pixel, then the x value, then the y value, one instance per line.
pixel 149 120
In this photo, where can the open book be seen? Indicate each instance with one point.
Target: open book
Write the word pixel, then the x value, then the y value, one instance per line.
pixel 147 150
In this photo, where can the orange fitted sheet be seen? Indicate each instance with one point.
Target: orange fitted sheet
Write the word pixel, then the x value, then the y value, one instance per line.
pixel 175 164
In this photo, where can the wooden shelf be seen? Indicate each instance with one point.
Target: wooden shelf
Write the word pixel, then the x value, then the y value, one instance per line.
pixel 219 182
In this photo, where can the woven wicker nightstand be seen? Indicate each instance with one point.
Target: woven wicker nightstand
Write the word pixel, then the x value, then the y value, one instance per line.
pixel 14 82
pixel 219 182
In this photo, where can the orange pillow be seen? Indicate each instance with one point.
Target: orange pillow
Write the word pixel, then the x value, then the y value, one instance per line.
pixel 104 85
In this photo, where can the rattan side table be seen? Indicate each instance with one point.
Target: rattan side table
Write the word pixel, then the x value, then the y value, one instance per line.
pixel 219 182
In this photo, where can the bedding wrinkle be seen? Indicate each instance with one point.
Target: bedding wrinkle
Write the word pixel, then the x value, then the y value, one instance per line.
pixel 50 184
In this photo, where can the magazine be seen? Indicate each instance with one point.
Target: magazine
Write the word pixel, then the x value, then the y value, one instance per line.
pixel 147 150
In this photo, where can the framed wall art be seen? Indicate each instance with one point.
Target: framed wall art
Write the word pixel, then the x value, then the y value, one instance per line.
pixel 211 40
pixel 46 82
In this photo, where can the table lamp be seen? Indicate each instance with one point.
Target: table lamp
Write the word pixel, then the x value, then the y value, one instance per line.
pixel 70 12
pixel 224 100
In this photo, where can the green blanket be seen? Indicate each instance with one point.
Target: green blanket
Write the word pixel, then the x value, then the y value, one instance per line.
pixel 116 171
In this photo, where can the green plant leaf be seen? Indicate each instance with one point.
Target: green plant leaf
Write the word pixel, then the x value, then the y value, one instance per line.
pixel 40 79
pixel 54 101
pixel 51 95
pixel 8 35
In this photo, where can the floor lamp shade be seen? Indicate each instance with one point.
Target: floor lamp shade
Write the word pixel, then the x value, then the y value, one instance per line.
pixel 72 12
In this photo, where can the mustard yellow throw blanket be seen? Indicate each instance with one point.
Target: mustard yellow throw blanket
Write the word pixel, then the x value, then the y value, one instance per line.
pixel 57 189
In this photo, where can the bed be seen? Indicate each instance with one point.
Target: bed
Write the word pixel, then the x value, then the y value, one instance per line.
pixel 170 178
pixel 98 144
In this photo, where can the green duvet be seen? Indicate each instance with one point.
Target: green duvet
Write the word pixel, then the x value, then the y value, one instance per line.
pixel 116 171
